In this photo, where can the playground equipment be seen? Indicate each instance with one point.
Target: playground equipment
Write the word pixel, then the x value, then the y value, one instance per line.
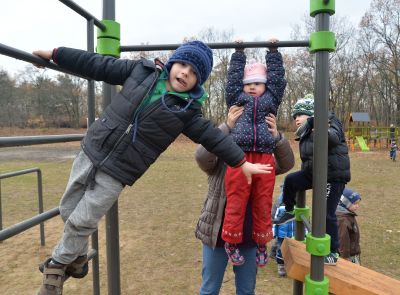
pixel 321 43
pixel 344 278
pixel 362 143
pixel 362 134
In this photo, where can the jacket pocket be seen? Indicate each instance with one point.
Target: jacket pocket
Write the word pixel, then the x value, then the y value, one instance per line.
pixel 103 133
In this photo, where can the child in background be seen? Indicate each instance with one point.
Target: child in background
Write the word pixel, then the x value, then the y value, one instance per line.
pixel 154 106
pixel 338 169
pixel 281 232
pixel 393 150
pixel 259 89
pixel 349 232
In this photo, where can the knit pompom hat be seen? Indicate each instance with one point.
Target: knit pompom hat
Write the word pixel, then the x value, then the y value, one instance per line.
pixel 254 72
pixel 198 55
pixel 304 106
pixel 348 198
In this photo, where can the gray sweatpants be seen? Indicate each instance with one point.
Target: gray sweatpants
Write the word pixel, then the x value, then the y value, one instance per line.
pixel 81 209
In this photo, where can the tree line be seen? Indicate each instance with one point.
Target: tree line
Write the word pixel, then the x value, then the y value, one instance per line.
pixel 364 76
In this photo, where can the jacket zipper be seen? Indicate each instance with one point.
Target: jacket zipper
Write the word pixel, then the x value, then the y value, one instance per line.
pixel 128 129
pixel 254 124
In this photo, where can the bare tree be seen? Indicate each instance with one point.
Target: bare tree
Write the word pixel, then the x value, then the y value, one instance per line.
pixel 380 44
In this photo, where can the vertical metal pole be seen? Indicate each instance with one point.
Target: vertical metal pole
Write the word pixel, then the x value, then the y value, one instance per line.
pixel 1 211
pixel 40 196
pixel 91 118
pixel 91 93
pixel 95 264
pixel 112 228
pixel 299 236
pixel 320 159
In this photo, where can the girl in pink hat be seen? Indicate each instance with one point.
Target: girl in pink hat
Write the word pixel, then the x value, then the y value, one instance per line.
pixel 259 89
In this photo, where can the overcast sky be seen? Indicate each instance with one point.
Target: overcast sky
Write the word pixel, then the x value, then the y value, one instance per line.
pixel 44 24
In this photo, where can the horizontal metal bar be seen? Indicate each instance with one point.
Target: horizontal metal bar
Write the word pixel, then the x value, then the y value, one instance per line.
pixel 91 254
pixel 20 172
pixel 27 224
pixel 75 7
pixel 11 141
pixel 22 55
pixel 218 45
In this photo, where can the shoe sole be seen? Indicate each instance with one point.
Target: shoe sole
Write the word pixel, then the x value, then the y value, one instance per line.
pixel 236 263
pixel 330 263
pixel 261 265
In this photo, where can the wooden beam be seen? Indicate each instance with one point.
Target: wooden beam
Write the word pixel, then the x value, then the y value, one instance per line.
pixel 344 278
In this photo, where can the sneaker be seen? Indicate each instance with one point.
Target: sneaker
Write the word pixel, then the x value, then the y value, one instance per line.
pixel 78 269
pixel 285 218
pixel 53 278
pixel 331 258
pixel 281 270
pixel 233 254
pixel 261 256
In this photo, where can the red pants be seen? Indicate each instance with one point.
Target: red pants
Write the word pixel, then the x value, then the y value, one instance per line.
pixel 238 192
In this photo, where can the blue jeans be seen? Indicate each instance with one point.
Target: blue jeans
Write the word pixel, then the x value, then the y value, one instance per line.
pixel 279 256
pixel 214 265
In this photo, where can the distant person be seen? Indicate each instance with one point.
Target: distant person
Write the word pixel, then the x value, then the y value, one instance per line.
pixel 259 88
pixel 349 232
pixel 156 103
pixel 338 169
pixel 209 226
pixel 393 150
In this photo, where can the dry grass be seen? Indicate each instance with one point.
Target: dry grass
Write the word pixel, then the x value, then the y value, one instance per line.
pixel 159 253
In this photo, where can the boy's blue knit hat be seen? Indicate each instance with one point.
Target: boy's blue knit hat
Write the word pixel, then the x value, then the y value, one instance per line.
pixel 304 106
pixel 198 55
pixel 348 198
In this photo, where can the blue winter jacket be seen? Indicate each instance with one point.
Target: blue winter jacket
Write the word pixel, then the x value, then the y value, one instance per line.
pixel 282 230
pixel 251 131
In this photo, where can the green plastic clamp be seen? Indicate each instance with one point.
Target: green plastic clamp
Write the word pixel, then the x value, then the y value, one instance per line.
pixel 305 211
pixel 108 41
pixel 318 246
pixel 316 288
pixel 322 41
pixel 322 6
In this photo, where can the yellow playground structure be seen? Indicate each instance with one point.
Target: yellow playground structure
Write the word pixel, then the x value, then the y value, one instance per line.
pixel 362 135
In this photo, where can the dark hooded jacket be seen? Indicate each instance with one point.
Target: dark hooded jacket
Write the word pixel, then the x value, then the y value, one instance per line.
pixel 129 136
pixel 338 152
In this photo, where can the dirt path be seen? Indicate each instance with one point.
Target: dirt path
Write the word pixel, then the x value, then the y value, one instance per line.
pixel 40 152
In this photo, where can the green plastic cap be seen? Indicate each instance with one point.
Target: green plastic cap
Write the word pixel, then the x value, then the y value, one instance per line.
pixel 322 6
pixel 322 41
pixel 316 288
pixel 318 246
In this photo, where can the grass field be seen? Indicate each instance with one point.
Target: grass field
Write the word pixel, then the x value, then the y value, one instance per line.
pixel 159 253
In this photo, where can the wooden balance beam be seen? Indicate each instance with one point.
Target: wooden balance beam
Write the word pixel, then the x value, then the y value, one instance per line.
pixel 344 278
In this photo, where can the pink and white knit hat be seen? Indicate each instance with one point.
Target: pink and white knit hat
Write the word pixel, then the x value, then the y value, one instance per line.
pixel 255 72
